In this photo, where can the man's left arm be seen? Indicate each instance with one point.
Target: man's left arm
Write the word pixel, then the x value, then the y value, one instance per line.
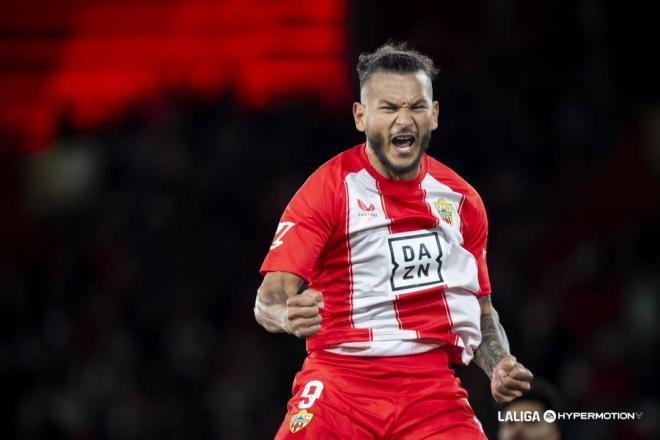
pixel 508 377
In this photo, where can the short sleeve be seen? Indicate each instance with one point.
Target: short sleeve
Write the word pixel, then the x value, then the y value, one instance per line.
pixel 304 228
pixel 475 237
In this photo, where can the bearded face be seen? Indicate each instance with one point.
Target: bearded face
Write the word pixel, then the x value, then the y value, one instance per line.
pixel 397 114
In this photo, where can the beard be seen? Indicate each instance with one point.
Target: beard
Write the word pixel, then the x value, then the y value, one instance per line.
pixel 377 143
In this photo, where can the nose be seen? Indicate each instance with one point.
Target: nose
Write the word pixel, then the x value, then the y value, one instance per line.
pixel 404 118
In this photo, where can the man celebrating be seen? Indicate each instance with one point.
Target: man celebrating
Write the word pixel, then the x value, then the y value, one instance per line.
pixel 392 245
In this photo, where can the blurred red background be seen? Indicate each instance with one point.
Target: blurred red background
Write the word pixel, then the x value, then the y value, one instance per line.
pixel 89 60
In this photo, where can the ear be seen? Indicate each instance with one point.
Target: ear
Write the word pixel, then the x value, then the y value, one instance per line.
pixel 358 116
pixel 434 114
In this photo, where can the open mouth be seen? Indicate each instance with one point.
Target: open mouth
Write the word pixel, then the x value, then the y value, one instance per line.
pixel 403 142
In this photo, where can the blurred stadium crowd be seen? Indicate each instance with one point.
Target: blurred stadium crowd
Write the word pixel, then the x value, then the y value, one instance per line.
pixel 129 255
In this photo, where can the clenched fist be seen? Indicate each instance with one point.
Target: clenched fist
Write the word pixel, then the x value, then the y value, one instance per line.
pixel 509 380
pixel 303 313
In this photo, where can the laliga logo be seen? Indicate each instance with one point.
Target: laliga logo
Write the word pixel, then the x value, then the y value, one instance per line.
pixel 526 416
pixel 551 416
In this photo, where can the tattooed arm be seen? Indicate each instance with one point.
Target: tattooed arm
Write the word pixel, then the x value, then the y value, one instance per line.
pixel 494 343
pixel 508 377
pixel 278 307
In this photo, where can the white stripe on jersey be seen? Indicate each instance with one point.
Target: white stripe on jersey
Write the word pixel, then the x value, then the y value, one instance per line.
pixel 373 305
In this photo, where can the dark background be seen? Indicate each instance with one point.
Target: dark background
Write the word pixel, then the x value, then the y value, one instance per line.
pixel 130 248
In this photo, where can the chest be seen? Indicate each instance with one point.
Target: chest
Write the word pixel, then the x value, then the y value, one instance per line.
pixel 373 208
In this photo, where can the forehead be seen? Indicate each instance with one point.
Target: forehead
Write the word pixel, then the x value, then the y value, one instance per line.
pixel 396 86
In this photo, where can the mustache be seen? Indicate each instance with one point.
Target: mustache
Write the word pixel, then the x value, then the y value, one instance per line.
pixel 403 133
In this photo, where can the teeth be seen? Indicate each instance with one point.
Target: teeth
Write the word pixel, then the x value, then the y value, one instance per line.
pixel 403 140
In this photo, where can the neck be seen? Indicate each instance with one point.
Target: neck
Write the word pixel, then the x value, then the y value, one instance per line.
pixel 386 172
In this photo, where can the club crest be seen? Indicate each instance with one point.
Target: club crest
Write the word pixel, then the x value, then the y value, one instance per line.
pixel 445 210
pixel 300 420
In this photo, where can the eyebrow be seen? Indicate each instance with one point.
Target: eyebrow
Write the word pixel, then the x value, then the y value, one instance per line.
pixel 391 104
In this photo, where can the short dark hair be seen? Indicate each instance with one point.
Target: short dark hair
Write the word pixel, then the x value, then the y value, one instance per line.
pixel 395 58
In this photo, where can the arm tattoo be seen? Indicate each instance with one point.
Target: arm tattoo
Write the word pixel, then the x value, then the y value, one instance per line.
pixel 494 343
pixel 270 309
pixel 277 297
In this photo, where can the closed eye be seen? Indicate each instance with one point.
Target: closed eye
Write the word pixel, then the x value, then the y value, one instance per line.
pixel 421 104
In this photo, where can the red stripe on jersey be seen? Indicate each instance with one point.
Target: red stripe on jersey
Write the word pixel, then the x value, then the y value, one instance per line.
pixel 382 203
pixel 409 211
pixel 350 261
pixel 437 220
pixel 448 314
pixel 416 308
pixel 460 209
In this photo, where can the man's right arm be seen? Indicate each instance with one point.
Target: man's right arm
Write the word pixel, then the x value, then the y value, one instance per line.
pixel 278 308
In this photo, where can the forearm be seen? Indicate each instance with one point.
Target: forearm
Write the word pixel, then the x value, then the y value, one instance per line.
pixel 270 310
pixel 494 343
pixel 270 307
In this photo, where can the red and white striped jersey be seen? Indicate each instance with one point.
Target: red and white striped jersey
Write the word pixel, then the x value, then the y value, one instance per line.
pixel 400 264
